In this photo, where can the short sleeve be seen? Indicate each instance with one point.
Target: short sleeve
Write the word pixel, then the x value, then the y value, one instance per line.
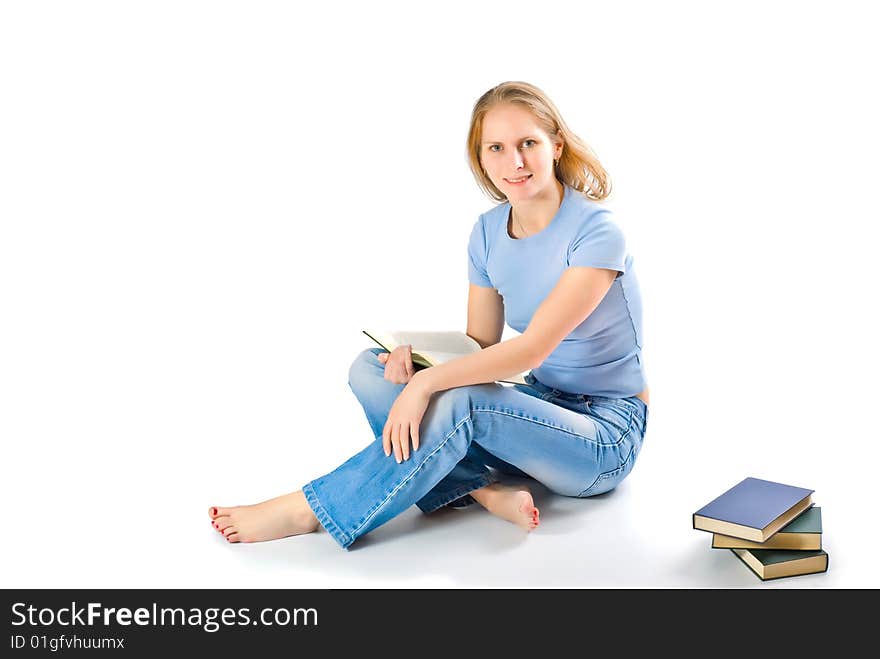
pixel 599 243
pixel 477 252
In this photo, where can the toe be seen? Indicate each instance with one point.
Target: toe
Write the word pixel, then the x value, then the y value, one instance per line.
pixel 233 537
pixel 223 523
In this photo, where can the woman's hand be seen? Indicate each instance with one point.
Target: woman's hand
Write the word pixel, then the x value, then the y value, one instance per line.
pixel 403 420
pixel 399 367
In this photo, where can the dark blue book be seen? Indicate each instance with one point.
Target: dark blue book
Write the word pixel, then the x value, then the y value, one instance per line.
pixel 753 509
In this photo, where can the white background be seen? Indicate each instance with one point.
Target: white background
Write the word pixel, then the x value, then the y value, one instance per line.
pixel 202 204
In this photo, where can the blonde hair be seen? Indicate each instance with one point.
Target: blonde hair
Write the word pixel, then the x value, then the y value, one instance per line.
pixel 578 165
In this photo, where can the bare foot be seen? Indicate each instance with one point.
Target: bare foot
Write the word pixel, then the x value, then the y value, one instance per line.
pixel 515 504
pixel 276 518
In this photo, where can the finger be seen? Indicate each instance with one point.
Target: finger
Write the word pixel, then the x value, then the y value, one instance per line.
pixel 395 442
pixel 404 441
pixel 386 439
pixel 415 436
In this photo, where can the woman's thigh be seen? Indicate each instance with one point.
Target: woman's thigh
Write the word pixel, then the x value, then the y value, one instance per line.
pixel 564 448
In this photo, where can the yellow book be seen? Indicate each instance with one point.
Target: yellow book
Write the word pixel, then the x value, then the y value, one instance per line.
pixel 433 348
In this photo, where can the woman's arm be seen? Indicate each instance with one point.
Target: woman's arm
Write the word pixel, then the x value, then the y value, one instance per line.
pixel 578 292
pixel 485 315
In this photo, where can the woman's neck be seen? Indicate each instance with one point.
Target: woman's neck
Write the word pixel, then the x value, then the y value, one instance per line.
pixel 534 215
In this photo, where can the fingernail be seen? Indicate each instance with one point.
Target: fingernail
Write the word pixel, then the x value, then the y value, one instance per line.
pixel 398 459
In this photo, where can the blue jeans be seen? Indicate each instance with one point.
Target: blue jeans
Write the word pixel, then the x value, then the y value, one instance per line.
pixel 575 444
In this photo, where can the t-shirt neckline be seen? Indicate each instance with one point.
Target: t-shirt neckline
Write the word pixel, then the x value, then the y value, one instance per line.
pixel 566 191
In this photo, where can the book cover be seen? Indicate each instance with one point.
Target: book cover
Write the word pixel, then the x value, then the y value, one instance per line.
pixel 777 563
pixel 804 532
pixel 753 509
pixel 432 348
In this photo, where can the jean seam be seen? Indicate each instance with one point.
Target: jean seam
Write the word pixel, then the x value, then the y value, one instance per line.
pixel 412 474
pixel 542 423
pixel 605 475
pixel 624 432
pixel 324 517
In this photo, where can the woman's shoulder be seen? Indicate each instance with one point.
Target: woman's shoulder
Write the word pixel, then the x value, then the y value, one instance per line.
pixel 496 214
pixel 490 222
pixel 585 208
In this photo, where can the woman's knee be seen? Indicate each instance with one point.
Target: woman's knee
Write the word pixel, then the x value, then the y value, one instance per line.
pixel 365 367
pixel 452 408
pixel 456 398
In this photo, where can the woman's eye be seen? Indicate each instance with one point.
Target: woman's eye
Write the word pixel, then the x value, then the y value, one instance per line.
pixel 492 146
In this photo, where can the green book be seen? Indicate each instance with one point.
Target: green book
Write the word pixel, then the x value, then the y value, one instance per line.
pixel 777 563
pixel 803 532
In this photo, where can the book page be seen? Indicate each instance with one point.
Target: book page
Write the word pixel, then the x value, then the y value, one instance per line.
pixel 457 343
pixel 452 342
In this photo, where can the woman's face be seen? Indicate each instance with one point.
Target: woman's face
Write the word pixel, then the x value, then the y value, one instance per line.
pixel 514 146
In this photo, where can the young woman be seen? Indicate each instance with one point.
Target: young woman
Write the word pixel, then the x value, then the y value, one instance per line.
pixel 552 262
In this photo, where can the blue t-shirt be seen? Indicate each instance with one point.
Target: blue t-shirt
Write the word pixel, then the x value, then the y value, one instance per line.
pixel 602 355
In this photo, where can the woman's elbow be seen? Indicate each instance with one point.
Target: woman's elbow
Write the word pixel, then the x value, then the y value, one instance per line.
pixel 535 352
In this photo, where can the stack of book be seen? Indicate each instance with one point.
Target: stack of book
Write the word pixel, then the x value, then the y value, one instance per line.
pixel 773 528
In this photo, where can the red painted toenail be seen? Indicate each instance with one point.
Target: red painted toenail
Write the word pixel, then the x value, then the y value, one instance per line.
pixel 213 511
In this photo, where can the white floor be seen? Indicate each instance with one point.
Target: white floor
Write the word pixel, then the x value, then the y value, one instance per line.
pixel 144 524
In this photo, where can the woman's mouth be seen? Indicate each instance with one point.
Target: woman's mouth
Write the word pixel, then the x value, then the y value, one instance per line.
pixel 518 181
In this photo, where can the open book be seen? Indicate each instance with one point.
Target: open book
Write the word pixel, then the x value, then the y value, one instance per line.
pixel 433 348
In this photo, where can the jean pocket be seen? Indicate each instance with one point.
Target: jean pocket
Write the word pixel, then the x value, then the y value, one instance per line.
pixel 608 480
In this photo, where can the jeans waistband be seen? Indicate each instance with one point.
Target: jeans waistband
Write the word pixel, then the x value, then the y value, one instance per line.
pixel 635 403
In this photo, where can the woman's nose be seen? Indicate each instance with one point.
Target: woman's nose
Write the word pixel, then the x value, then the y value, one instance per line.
pixel 517 159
